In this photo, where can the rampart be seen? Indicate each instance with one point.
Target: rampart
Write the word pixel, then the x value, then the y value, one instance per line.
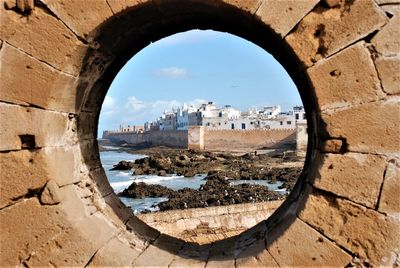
pixel 178 139
pixel 58 59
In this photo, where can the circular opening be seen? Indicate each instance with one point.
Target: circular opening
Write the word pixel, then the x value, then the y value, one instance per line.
pixel 251 149
pixel 130 31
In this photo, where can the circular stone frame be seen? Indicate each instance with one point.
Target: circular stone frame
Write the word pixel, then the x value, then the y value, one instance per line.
pixel 334 52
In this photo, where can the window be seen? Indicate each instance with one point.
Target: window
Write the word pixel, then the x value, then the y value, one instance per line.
pixel 281 123
pixel 297 116
pixel 233 126
pixel 304 116
pixel 243 126
pixel 289 122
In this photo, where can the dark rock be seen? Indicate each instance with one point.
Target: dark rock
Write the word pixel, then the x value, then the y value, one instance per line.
pixel 123 165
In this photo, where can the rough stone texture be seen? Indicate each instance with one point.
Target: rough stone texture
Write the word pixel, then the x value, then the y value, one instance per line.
pixel 51 194
pixel 288 249
pixel 332 146
pixel 42 79
pixel 387 68
pixel 348 77
pixel 122 255
pixel 26 226
pixel 325 31
pixel 72 232
pixel 26 167
pixel 381 2
pixel 120 5
pixel 390 200
pixel 290 13
pixel 157 257
pixel 255 256
pixel 345 175
pixel 381 245
pixel 387 40
pixel 49 40
pixel 76 245
pixel 44 128
pixel 83 17
pixel 372 127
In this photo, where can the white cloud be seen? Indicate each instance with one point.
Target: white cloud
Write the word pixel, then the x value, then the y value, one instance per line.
pixel 173 72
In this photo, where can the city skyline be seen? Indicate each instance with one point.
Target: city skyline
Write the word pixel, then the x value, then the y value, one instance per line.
pixel 195 67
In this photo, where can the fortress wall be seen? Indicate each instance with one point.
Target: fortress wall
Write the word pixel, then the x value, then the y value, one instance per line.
pixel 236 140
pixel 58 59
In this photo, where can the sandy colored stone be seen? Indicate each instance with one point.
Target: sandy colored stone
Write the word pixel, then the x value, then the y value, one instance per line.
pixel 99 177
pixel 228 263
pixel 83 17
pixel 182 262
pixel 25 227
pixel 120 5
pixel 76 245
pixel 332 146
pixel 44 128
pixel 123 212
pixel 390 199
pixel 389 73
pixel 155 257
pixel 381 2
pixel 21 171
pixel 51 194
pixel 387 40
pixel 348 77
pixel 365 232
pixel 36 83
pixel 114 253
pixel 255 256
pixel 357 177
pixel 372 127
pixel 288 249
pixel 141 229
pixel 325 31
pixel 290 13
pixel 72 205
pixel 62 164
pixel 49 40
pixel 250 6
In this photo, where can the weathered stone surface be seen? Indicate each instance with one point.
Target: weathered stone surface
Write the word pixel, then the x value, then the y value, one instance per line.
pixel 372 127
pixel 183 262
pixel 290 13
pixel 26 226
pixel 120 5
pixel 325 31
pixel 288 249
pixel 381 2
pixel 388 70
pixel 76 245
pixel 228 263
pixel 62 164
pixel 142 230
pixel 49 40
pixel 387 40
pixel 21 171
pixel 122 255
pixel 72 205
pixel 250 6
pixel 363 231
pixel 36 83
pixel 348 77
pixel 154 255
pixel 43 128
pixel 83 17
pixel 256 256
pixel 332 146
pixel 51 194
pixel 390 200
pixel 346 175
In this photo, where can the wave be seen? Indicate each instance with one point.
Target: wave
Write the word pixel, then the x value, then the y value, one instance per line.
pixel 123 174
pixel 153 179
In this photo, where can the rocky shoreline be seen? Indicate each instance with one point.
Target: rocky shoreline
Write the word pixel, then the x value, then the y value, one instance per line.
pixel 221 170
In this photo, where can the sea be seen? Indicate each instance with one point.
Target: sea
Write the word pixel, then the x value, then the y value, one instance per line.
pixel 119 180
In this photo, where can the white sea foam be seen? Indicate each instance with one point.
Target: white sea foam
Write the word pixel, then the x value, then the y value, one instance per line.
pixel 154 179
pixel 121 185
pixel 123 174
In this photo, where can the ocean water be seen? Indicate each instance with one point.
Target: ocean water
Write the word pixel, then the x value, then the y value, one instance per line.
pixel 119 180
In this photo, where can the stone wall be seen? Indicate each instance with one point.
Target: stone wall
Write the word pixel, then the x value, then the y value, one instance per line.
pixel 58 59
pixel 170 138
pixel 245 140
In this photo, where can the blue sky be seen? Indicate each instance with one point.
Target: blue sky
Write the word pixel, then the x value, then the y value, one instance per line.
pixel 194 67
